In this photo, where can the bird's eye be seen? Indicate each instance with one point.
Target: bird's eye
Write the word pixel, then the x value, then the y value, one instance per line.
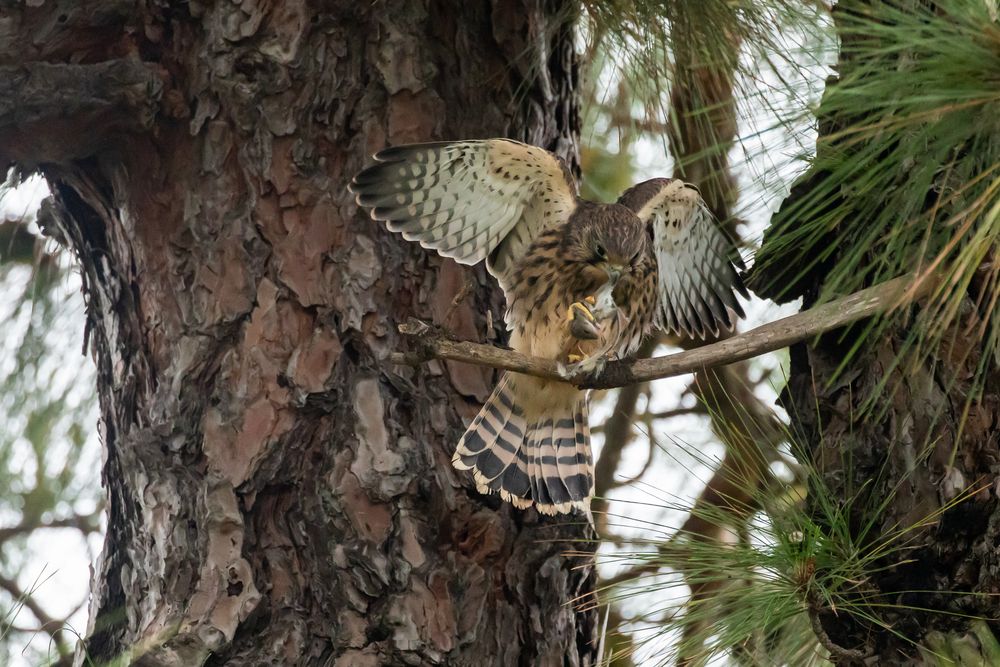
pixel 600 252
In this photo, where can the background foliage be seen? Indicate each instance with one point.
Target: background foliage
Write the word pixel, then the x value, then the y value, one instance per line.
pixel 50 496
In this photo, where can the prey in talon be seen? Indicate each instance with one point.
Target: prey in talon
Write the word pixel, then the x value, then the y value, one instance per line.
pixel 582 322
pixel 584 282
pixel 588 346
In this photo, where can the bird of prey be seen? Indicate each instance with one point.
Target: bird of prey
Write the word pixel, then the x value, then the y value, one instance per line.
pixel 583 281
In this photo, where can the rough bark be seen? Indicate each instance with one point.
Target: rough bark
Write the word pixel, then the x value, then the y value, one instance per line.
pixel 280 493
pixel 921 465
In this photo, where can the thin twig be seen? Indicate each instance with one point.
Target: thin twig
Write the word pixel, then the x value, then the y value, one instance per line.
pixel 467 287
pixel 628 481
pixel 431 344
pixel 648 417
pixel 851 655
pixel 51 626
pixel 85 523
pixel 675 412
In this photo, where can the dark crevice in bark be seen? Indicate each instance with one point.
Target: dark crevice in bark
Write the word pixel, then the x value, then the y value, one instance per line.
pixel 80 223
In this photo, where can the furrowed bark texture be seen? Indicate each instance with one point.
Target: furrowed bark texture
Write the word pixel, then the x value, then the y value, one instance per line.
pixel 279 492
pixel 900 468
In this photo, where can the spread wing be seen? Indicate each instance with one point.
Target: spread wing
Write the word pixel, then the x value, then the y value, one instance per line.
pixel 469 200
pixel 696 263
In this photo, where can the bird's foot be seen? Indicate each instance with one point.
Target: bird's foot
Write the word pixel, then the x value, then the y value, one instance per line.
pixel 582 323
pixel 582 367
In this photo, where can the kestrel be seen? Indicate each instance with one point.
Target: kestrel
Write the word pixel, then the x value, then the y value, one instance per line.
pixel 583 281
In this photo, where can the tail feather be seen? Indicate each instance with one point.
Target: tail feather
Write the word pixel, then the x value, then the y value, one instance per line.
pixel 542 497
pixel 569 459
pixel 515 482
pixel 584 477
pixel 552 471
pixel 546 463
pixel 485 429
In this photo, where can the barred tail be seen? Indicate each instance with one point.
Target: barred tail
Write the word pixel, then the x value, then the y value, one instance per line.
pixel 546 463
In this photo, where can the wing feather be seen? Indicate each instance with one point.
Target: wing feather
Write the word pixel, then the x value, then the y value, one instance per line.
pixel 469 200
pixel 697 265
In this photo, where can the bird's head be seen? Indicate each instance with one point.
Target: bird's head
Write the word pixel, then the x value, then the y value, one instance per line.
pixel 606 242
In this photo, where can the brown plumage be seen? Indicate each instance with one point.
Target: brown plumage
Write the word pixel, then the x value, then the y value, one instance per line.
pixel 584 282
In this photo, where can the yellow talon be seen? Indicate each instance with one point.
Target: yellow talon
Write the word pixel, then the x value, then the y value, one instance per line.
pixel 582 308
pixel 592 300
pixel 573 358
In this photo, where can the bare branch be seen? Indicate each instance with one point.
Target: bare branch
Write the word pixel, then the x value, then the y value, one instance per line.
pixel 85 523
pixel 52 626
pixel 17 244
pixel 633 573
pixel 648 417
pixel 650 450
pixel 846 655
pixel 675 412
pixel 432 344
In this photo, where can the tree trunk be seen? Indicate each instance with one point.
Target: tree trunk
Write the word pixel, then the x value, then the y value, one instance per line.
pixel 918 466
pixel 279 492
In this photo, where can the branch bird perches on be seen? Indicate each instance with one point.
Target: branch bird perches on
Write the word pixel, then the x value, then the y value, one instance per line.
pixel 431 343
